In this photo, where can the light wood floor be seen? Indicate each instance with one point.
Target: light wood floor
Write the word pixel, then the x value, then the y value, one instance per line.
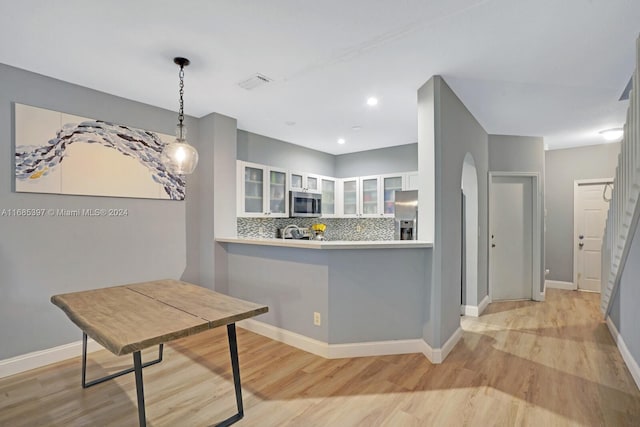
pixel 521 363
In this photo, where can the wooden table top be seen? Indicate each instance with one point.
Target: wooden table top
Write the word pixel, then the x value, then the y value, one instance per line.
pixel 129 318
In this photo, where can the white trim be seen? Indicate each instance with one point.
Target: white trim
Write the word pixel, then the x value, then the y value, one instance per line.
pixel 361 349
pixel 37 359
pixel 558 284
pixel 483 305
pixel 476 310
pixel 631 363
pixel 437 355
pixel 319 348
pixel 537 272
pixel 375 348
pixel 577 183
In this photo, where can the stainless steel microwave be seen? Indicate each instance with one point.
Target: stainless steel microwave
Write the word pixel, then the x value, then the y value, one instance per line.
pixel 305 204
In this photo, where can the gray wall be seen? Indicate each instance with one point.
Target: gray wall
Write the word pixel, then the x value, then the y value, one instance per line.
pixel 563 167
pixel 293 282
pixel 401 158
pixel 361 295
pixel 274 152
pixel 215 213
pixel 456 133
pixel 40 257
pixel 510 153
pixel 624 306
pixel 376 294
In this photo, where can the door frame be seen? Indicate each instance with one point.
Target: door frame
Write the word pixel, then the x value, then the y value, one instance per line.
pixel 577 183
pixel 536 257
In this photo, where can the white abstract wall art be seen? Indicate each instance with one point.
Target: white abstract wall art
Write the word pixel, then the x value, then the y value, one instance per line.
pixel 64 154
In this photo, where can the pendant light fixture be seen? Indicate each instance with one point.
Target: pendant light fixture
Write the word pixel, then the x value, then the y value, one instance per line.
pixel 179 156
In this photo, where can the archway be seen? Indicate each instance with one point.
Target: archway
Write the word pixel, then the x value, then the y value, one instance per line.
pixel 469 255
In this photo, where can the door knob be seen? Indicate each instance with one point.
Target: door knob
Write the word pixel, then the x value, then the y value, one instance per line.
pixel 493 245
pixel 581 244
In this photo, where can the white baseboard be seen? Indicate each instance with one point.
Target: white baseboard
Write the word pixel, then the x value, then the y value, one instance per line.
pixel 631 363
pixel 475 311
pixel 437 355
pixel 319 348
pixel 37 359
pixel 361 349
pixel 557 284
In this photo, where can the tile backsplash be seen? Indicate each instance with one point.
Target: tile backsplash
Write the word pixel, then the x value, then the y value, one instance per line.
pixel 337 228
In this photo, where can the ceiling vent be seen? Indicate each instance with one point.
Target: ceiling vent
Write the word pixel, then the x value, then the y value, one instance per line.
pixel 254 81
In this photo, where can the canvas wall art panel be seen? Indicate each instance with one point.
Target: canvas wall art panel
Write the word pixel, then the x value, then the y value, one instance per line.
pixel 64 154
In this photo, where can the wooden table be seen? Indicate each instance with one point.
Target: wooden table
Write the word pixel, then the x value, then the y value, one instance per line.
pixel 127 319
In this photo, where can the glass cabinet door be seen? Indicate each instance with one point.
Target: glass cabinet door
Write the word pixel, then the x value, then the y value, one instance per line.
pixel 253 185
pixel 350 197
pixel 296 181
pixel 312 183
pixel 277 192
pixel 328 197
pixel 390 186
pixel 370 196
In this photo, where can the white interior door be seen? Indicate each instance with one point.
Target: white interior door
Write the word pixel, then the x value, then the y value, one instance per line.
pixel 511 239
pixel 589 216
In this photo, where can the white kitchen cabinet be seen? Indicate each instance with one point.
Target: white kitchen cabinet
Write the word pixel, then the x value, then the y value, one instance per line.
pixel 411 181
pixel 299 181
pixel 389 185
pixel 329 189
pixel 370 196
pixel 349 196
pixel 262 191
pixel 370 206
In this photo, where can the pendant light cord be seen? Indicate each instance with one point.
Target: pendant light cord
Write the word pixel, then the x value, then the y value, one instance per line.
pixel 181 112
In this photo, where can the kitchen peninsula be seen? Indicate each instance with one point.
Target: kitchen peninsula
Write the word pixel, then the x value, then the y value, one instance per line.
pixel 334 298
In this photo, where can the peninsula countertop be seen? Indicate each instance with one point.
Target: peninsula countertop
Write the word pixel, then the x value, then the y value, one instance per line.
pixel 328 244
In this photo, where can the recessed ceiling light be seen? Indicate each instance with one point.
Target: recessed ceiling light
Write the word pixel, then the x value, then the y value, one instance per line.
pixel 612 134
pixel 356 128
pixel 372 101
pixel 341 141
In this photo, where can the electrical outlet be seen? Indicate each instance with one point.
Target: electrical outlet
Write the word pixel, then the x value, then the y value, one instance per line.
pixel 316 318
pixel 358 228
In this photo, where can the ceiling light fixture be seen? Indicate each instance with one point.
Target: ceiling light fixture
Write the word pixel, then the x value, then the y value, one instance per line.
pixel 612 134
pixel 179 157
pixel 341 141
pixel 372 101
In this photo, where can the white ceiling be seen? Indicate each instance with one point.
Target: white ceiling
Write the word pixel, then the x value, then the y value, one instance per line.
pixel 544 68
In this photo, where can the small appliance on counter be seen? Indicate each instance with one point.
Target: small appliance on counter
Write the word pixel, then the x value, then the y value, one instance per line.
pixel 305 204
pixel 318 231
pixel 406 215
pixel 292 231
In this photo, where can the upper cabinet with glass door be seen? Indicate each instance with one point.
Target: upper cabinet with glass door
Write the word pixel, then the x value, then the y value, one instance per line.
pixel 377 194
pixel 329 197
pixel 349 198
pixel 304 182
pixel 390 184
pixel 370 196
pixel 262 192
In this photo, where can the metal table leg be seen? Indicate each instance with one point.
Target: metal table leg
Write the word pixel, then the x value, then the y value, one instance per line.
pixel 86 384
pixel 137 365
pixel 235 367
